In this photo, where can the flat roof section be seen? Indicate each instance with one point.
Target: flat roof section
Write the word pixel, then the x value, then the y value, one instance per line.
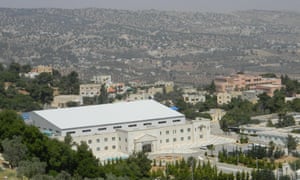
pixel 96 115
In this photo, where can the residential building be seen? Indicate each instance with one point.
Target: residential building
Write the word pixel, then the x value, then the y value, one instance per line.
pixel 105 79
pixel 135 97
pixel 216 114
pixel 269 88
pixel 117 130
pixel 251 95
pixel 168 85
pixel 89 90
pixel 194 98
pixel 225 98
pixel 62 100
pixel 239 82
pixel 41 69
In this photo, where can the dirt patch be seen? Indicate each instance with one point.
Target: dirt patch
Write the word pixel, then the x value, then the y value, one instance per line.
pixel 286 159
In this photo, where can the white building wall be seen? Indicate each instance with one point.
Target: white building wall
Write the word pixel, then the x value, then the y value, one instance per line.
pixel 127 142
pixel 89 90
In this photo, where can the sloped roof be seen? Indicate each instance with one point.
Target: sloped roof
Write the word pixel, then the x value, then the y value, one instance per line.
pixel 95 115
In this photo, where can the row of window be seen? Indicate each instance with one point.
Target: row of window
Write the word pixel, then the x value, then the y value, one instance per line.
pixel 106 139
pixel 118 127
pixel 181 138
pixel 106 148
pixel 174 131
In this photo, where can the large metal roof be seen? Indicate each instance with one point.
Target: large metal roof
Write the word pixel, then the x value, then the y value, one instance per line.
pixel 96 115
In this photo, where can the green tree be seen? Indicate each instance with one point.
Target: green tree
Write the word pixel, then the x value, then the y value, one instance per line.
pixel 44 79
pixel 291 143
pixel 211 147
pixel 14 150
pixel 263 174
pixel 103 98
pixel 285 121
pixel 140 161
pixel 31 168
pixel 295 105
pixel 211 88
pixel 73 83
pixel 25 68
pixel 15 67
pixel 264 102
pixel 87 163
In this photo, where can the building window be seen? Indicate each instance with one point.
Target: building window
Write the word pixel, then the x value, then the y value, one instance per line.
pixel 117 127
pixel 188 129
pixel 162 122
pixel 101 129
pixel 160 141
pixel 189 137
pixel 90 141
pixel 120 139
pixel 71 132
pixel 167 132
pixel 201 136
pixel 174 139
pixel 147 124
pixel 181 130
pixel 174 131
pixel 106 147
pixel 105 139
pixel 132 125
pixel 98 149
pixel 167 140
pixel 113 138
pixel 125 139
pixel 86 130
pixel 176 120
pixel 160 132
pixel 113 147
pixel 98 140
pixel 182 138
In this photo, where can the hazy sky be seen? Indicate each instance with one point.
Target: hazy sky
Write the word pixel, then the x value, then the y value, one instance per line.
pixel 181 5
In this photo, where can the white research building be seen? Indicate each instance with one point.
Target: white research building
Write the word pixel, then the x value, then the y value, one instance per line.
pixel 117 130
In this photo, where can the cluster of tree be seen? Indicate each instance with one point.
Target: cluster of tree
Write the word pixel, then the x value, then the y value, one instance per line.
pixel 37 156
pixel 26 94
pixel 191 169
pixel 256 157
pixel 10 86
pixel 184 170
pixel 239 111
pixel 292 87
pixel 191 111
pixel 285 120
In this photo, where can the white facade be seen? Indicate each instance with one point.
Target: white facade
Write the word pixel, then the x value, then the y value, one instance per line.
pixel 62 100
pixel 194 98
pixel 225 98
pixel 89 90
pixel 117 130
pixel 122 142
pixel 102 79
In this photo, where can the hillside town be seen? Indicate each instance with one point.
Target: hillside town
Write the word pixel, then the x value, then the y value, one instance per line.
pixel 241 113
pixel 149 95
